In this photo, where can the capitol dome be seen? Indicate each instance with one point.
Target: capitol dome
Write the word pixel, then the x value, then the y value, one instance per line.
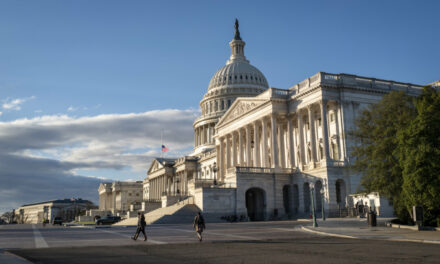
pixel 238 78
pixel 238 73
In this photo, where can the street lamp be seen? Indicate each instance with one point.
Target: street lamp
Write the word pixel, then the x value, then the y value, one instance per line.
pixel 312 194
pixel 214 169
pixel 322 204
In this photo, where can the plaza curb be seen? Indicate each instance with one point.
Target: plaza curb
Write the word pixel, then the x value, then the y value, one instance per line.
pixel 13 259
pixel 384 239
pixel 327 234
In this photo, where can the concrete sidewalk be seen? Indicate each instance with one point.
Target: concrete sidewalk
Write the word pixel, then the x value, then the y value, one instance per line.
pixel 359 229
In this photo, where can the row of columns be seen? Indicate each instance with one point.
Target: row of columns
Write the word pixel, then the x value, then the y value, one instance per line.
pixel 267 142
pixel 157 187
pixel 216 105
pixel 170 185
pixel 204 135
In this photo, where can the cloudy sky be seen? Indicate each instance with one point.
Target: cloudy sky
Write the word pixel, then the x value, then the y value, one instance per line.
pixel 86 87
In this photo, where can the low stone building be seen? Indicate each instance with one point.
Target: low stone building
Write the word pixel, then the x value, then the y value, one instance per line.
pixel 67 209
pixel 117 197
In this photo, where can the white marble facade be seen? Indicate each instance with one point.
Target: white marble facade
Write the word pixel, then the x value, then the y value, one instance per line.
pixel 259 151
pixel 116 197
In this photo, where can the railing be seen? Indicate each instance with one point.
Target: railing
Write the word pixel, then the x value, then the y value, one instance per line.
pixel 260 170
pixel 279 93
pixel 226 185
pixel 152 200
pixel 353 80
pixel 174 193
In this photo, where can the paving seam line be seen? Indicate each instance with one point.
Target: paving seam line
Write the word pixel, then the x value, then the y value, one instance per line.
pixel 39 239
pixel 219 234
pixel 385 239
pixel 128 236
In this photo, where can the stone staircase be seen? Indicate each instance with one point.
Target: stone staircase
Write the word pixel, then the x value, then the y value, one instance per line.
pixel 179 213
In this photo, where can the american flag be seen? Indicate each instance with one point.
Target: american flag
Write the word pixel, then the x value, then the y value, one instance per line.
pixel 164 149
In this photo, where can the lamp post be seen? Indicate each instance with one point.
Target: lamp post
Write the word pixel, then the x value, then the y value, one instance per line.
pixel 322 204
pixel 214 169
pixel 312 193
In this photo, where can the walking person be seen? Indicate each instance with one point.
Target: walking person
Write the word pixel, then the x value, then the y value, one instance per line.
pixel 199 225
pixel 140 227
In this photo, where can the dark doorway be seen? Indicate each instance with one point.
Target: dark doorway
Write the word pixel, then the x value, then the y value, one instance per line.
pixel 318 197
pixel 287 199
pixel 255 204
pixel 295 199
pixel 306 197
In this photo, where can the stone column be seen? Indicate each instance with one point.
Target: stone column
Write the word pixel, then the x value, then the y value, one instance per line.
pixel 240 148
pixel 228 153
pixel 185 182
pixel 312 133
pixel 290 137
pixel 212 134
pixel 281 146
pixel 274 147
pixel 324 128
pixel 256 153
pixel 234 150
pixel 343 130
pixel 264 146
pixel 195 138
pixel 339 131
pixel 164 183
pixel 301 138
pixel 248 146
pixel 220 159
pixel 113 204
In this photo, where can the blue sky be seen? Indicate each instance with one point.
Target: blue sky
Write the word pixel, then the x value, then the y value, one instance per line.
pixel 77 70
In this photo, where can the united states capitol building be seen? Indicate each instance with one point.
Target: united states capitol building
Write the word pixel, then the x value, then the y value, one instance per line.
pixel 260 152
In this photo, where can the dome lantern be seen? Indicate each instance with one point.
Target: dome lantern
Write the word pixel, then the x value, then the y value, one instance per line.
pixel 237 47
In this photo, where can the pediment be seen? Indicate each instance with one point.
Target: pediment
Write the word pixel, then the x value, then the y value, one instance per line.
pixel 103 186
pixel 155 166
pixel 240 107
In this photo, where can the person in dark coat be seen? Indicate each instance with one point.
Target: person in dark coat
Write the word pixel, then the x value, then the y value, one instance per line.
pixel 199 225
pixel 140 227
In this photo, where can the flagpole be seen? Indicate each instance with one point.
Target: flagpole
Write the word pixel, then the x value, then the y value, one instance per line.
pixel 161 143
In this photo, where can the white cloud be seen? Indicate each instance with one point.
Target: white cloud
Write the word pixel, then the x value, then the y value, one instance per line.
pixel 72 109
pixel 54 147
pixel 1 113
pixel 15 104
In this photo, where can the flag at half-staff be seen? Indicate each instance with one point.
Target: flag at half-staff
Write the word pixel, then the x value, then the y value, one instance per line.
pixel 164 149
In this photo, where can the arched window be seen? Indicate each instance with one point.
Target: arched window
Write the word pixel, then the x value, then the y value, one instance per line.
pixel 223 104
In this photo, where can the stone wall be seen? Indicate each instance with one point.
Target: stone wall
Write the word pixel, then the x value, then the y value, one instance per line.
pixel 216 203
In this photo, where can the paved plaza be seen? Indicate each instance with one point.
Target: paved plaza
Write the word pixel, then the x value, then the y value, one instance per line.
pixel 249 242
